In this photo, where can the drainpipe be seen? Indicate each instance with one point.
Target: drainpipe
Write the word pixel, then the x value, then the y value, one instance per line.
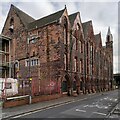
pixel 85 67
pixel 71 47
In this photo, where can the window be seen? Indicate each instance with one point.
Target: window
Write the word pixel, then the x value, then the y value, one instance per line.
pixel 17 64
pixel 91 54
pixel 27 63
pixel 80 66
pixel 32 39
pixel 78 26
pixel 74 43
pixel 75 63
pixel 90 69
pixel 65 61
pixel 87 48
pixel 12 21
pixel 11 24
pixel 33 62
pixel 65 36
pixel 65 30
pixel 80 46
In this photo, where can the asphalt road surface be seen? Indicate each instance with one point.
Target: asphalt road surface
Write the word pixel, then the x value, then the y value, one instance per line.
pixel 93 106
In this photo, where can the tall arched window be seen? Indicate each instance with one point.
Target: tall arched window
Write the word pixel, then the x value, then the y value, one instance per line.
pixel 80 46
pixel 77 35
pixel 65 61
pixel 80 66
pixel 65 27
pixel 65 31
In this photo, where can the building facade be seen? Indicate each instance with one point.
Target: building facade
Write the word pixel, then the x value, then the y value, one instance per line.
pixel 5 57
pixel 58 54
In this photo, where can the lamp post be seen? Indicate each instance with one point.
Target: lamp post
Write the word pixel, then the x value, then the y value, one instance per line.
pixel 29 76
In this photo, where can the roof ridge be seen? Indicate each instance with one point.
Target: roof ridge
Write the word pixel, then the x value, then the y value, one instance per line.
pixel 48 15
pixel 87 22
pixel 46 19
pixel 21 10
pixel 24 17
pixel 74 13
pixel 72 17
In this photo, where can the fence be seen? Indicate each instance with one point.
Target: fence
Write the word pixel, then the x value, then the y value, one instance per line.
pixel 36 86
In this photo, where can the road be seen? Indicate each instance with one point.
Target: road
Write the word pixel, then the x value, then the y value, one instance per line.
pixel 93 106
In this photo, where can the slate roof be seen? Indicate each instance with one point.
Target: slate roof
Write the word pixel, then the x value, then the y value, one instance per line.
pixel 98 39
pixel 72 18
pixel 85 26
pixel 46 20
pixel 25 18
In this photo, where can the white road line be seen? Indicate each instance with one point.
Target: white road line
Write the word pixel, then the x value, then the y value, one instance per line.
pixel 78 110
pixel 49 108
pixel 99 113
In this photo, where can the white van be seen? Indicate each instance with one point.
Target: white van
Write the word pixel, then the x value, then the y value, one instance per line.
pixel 8 86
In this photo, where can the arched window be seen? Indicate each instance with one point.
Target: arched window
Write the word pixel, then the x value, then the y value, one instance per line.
pixel 12 21
pixel 77 36
pixel 75 64
pixel 80 66
pixel 80 46
pixel 17 64
pixel 65 30
pixel 11 24
pixel 78 26
pixel 65 61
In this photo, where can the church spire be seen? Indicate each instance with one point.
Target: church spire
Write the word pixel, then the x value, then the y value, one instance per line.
pixel 109 36
pixel 109 32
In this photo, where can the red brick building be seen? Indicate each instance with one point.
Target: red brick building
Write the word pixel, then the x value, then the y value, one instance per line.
pixel 58 54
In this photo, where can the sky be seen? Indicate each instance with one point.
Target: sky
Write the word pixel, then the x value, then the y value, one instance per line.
pixel 103 13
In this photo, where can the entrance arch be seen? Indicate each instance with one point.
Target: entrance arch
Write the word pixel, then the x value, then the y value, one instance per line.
pixel 65 85
pixel 77 79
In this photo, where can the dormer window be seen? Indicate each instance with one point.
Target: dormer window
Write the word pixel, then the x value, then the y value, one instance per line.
pixel 11 25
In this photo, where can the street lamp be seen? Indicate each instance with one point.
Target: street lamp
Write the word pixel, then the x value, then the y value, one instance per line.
pixel 30 79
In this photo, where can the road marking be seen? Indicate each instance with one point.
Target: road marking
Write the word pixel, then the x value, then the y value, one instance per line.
pixel 99 113
pixel 85 106
pixel 78 110
pixel 48 108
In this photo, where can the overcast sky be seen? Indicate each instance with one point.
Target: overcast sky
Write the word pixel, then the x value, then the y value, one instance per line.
pixel 103 13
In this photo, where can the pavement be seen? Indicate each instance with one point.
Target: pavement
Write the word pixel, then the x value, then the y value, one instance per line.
pixel 8 113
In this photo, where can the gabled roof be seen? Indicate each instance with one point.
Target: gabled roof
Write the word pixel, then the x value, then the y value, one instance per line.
pixel 85 26
pixel 46 20
pixel 98 39
pixel 25 18
pixel 72 18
